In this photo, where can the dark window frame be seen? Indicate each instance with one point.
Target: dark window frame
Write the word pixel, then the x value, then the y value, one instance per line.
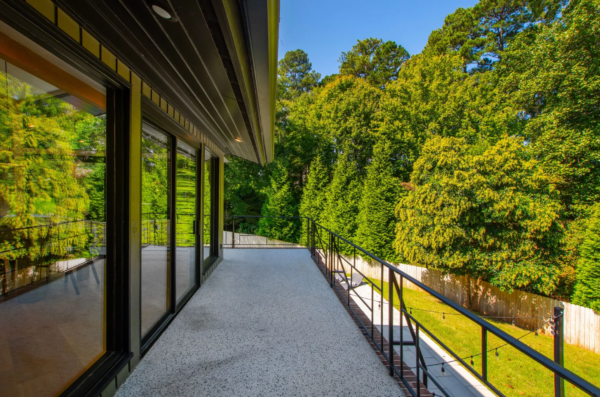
pixel 213 257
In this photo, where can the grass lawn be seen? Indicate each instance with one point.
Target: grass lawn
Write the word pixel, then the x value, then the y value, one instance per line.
pixel 513 373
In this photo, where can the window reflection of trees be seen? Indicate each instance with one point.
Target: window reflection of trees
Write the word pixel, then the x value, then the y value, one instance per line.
pixel 52 183
pixel 155 185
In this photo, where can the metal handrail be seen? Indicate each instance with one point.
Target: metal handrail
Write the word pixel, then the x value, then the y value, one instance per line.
pixel 557 369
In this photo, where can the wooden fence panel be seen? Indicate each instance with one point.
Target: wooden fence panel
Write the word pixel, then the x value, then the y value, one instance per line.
pixel 582 325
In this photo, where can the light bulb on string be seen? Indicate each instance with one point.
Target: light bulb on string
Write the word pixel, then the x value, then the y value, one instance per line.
pixel 496 353
pixel 443 370
pixel 472 363
pixel 443 316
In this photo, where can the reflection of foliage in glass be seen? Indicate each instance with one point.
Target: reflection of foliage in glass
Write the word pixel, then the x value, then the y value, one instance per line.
pixel 207 197
pixel 155 191
pixel 44 180
pixel 186 200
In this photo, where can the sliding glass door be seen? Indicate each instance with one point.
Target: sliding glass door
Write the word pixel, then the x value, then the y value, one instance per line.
pixel 156 226
pixel 186 221
pixel 208 206
pixel 169 226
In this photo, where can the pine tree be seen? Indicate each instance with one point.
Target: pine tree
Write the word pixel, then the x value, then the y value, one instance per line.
pixel 380 194
pixel 587 288
pixel 314 197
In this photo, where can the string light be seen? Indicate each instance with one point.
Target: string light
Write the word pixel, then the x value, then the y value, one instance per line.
pixel 444 316
pixel 460 314
pixel 492 349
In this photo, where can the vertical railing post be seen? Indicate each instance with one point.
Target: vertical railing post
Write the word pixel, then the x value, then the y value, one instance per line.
pixel 401 302
pixel 308 235
pixel 233 233
pixel 559 356
pixel 314 238
pixel 390 320
pixel 331 260
pixel 381 309
pixel 417 358
pixel 484 353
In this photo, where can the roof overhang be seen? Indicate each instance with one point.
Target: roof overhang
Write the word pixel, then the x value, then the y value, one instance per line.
pixel 216 62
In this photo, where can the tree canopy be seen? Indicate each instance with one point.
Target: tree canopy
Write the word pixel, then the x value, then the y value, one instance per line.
pixel 478 156
pixel 374 60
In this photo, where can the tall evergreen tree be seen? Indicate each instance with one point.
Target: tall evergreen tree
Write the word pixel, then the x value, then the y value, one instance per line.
pixel 587 288
pixel 314 195
pixel 485 211
pixel 343 197
pixel 295 75
pixel 380 195
pixel 280 203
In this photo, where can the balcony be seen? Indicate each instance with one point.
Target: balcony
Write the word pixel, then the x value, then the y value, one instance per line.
pixel 265 323
pixel 307 321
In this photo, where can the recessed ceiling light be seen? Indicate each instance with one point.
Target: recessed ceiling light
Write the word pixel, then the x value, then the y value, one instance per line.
pixel 161 12
pixel 238 139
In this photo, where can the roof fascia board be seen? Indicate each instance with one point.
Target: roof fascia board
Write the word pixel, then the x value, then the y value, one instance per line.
pixel 232 25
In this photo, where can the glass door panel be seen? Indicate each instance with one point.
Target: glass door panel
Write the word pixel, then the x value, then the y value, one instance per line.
pixel 208 186
pixel 185 220
pixel 156 234
pixel 52 240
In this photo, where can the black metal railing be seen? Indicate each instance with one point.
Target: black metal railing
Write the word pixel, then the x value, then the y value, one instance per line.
pixel 336 257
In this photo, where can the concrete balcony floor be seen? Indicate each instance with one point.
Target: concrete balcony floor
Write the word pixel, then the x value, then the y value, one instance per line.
pixel 266 323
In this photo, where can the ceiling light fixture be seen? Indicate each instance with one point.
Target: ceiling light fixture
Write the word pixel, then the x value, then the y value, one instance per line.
pixel 238 139
pixel 161 12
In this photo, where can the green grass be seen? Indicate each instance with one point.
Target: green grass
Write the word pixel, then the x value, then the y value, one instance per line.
pixel 512 372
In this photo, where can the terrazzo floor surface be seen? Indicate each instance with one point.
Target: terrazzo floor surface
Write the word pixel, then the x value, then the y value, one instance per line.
pixel 266 323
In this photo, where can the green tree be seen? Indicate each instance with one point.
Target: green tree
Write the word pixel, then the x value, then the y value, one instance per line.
pixel 554 81
pixel 295 75
pixel 380 195
pixel 587 288
pixel 480 34
pixel 244 185
pixel 314 199
pixel 343 196
pixel 280 203
pixel 461 34
pixel 482 210
pixel 374 60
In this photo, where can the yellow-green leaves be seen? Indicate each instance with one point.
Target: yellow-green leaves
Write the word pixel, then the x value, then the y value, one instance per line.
pixel 490 214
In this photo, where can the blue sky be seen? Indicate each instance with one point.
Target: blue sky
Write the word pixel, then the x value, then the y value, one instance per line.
pixel 325 28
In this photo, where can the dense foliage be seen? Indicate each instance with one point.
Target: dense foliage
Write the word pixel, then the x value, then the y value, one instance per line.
pixel 479 156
